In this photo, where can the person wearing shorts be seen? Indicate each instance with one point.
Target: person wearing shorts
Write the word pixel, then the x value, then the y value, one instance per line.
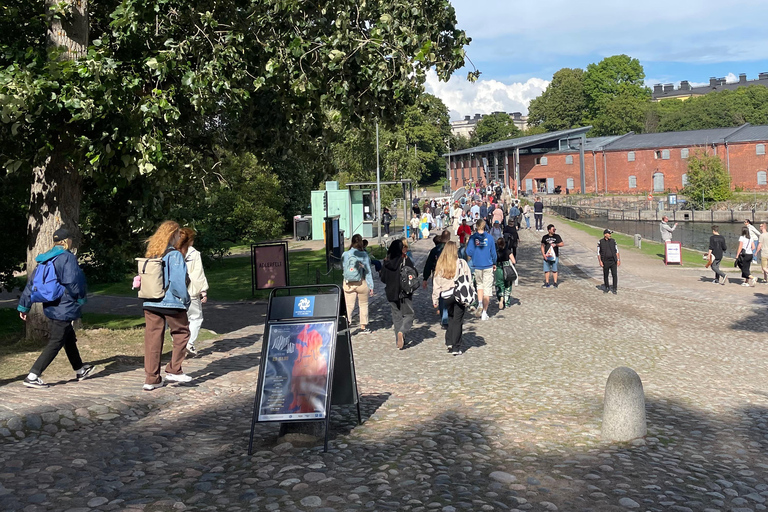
pixel 482 251
pixel 550 252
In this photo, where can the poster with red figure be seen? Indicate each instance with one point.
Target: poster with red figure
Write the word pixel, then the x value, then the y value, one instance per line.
pixel 295 380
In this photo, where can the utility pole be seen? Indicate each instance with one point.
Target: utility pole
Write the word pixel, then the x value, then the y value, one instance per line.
pixel 378 185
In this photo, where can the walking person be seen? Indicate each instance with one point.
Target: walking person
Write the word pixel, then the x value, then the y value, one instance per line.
pixel 744 256
pixel 400 301
pixel 504 258
pixel 171 309
pixel 429 269
pixel 538 214
pixel 386 220
pixel 754 235
pixel 550 251
pixel 527 215
pixel 511 236
pixel 415 227
pixel 514 214
pixel 358 280
pixel 666 230
pixel 449 268
pixel 762 248
pixel 458 214
pixel 197 285
pixel 482 250
pixel 609 259
pixel 717 248
pixel 61 295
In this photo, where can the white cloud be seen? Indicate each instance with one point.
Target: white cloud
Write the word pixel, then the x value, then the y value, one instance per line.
pixel 464 98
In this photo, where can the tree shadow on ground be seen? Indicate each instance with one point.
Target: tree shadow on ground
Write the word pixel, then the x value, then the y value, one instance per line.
pixel 462 457
pixel 756 320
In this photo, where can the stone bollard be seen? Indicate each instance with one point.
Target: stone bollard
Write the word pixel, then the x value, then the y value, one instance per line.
pixel 624 406
pixel 638 241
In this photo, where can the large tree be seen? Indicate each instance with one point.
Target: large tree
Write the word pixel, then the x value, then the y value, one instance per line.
pixel 615 92
pixel 493 128
pixel 127 88
pixel 563 104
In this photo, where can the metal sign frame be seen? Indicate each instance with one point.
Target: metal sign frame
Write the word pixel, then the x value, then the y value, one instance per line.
pixel 337 315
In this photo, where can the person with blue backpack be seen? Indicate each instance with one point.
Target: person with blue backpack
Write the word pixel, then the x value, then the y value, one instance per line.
pixel 358 281
pixel 59 284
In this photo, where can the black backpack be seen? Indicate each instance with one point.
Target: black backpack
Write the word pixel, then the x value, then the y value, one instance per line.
pixel 409 280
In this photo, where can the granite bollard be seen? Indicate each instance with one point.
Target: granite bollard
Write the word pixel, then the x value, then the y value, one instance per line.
pixel 623 406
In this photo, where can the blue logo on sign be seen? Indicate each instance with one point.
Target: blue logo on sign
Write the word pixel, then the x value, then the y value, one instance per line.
pixel 304 306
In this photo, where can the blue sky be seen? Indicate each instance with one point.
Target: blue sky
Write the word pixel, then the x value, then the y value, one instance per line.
pixel 519 45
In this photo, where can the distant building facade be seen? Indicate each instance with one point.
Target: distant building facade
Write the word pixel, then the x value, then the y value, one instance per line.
pixel 466 126
pixel 629 164
pixel 685 91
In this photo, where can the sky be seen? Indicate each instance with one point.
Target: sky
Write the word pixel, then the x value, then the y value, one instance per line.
pixel 518 45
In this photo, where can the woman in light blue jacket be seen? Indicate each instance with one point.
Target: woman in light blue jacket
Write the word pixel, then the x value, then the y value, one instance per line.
pixel 170 309
pixel 358 282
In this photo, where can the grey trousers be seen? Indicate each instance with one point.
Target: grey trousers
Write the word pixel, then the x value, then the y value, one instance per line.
pixel 402 315
pixel 719 274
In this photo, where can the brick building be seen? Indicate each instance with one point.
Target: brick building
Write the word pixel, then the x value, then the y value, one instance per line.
pixel 631 163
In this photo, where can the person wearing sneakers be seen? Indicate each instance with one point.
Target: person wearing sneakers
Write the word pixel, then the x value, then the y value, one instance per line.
pixel 762 248
pixel 550 251
pixel 400 302
pixel 70 286
pixel 197 286
pixel 744 256
pixel 358 280
pixel 715 255
pixel 482 251
pixel 609 259
pixel 170 309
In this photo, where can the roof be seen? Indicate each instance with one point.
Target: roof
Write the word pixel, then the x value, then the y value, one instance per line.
pixel 749 133
pixel 365 183
pixel 592 144
pixel 714 85
pixel 673 139
pixel 522 142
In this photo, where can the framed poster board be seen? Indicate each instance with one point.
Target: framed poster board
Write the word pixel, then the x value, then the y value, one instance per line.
pixel 269 266
pixel 673 253
pixel 297 365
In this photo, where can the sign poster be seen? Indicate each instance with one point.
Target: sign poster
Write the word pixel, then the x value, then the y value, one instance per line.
pixel 270 266
pixel 673 253
pixel 296 366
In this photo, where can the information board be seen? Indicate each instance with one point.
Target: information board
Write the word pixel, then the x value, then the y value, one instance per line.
pixel 269 265
pixel 296 369
pixel 673 253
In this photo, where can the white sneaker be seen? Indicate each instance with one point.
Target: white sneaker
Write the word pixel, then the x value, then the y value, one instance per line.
pixel 181 377
pixel 484 316
pixel 151 387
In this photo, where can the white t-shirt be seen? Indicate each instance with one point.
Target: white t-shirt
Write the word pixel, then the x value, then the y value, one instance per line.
pixel 746 244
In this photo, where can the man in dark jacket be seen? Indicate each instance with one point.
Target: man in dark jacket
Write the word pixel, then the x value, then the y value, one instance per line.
pixel 511 236
pixel 60 312
pixel 401 304
pixel 608 258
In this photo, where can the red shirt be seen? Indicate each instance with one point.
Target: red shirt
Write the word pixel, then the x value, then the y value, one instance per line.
pixel 464 231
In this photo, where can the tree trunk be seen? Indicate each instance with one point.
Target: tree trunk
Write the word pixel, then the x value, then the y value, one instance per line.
pixel 57 186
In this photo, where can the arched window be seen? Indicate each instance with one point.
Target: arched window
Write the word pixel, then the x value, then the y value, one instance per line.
pixel 569 184
pixel 633 182
pixel 568 160
pixel 761 178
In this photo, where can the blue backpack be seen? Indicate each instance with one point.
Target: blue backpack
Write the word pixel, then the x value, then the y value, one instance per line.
pixel 353 270
pixel 45 283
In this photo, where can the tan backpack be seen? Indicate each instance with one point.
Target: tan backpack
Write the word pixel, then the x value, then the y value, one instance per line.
pixel 151 271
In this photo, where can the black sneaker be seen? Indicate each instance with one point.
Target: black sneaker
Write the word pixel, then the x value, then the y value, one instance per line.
pixel 191 350
pixel 555 285
pixel 87 370
pixel 614 292
pixel 545 285
pixel 457 352
pixel 37 383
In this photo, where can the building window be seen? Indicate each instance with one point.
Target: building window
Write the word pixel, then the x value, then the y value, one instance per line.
pixel 761 178
pixel 657 154
pixel 685 180
pixel 631 156
pixel 665 154
pixel 569 159
pixel 760 149
pixel 658 182
pixel 684 153
pixel 569 184
pixel 633 182
pixel 541 160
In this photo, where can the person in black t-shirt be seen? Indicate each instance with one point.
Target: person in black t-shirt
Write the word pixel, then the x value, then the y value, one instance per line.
pixel 550 251
pixel 609 259
pixel 716 249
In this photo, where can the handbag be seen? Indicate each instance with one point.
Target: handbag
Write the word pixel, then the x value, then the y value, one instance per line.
pixel 464 292
pixel 739 259
pixel 510 273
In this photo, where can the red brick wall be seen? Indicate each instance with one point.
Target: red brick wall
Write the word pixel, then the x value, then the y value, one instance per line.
pixel 742 157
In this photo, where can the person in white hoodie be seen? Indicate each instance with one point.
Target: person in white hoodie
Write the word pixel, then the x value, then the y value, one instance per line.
pixel 197 286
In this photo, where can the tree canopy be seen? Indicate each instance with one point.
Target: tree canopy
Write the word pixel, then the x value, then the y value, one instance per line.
pixel 563 103
pixel 493 128
pixel 708 181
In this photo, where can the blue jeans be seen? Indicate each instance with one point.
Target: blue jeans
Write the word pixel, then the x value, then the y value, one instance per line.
pixel 527 222
pixel 443 311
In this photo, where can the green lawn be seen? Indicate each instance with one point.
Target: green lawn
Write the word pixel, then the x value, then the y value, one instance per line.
pixel 230 278
pixel 653 249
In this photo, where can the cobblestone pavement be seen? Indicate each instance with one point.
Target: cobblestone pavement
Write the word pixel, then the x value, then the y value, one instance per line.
pixel 513 424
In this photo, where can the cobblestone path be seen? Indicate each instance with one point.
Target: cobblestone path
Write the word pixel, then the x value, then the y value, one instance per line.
pixel 513 424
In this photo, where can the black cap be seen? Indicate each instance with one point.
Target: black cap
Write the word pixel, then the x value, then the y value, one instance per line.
pixel 61 234
pixel 607 231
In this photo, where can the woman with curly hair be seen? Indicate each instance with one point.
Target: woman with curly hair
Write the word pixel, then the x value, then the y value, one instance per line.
pixel 170 309
pixel 197 287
